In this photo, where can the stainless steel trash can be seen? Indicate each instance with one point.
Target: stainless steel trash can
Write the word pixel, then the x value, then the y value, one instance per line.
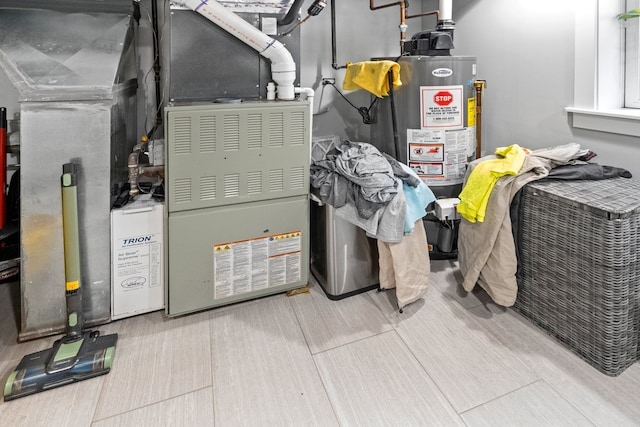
pixel 343 259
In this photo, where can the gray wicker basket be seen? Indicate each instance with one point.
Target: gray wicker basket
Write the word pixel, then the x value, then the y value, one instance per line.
pixel 579 267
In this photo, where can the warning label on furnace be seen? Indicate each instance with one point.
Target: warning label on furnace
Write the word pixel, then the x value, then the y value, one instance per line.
pixel 250 265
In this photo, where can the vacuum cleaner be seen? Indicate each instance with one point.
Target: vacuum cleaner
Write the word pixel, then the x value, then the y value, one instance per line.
pixel 79 355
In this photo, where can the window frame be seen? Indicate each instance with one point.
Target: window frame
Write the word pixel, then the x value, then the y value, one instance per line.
pixel 599 70
pixel 632 55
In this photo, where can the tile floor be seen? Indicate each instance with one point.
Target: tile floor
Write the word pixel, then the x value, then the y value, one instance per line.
pixel 450 359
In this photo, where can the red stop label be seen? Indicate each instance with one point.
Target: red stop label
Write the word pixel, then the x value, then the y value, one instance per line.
pixel 443 98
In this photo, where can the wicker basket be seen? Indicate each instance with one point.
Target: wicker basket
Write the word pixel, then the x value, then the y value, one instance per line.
pixel 579 267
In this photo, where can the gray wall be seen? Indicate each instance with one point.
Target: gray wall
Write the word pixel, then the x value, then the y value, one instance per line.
pixel 361 34
pixel 525 52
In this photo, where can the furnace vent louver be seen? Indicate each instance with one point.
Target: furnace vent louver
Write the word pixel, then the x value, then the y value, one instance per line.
pixel 247 152
pixel 232 185
pixel 276 180
pixel 182 190
pixel 182 140
pixel 254 183
pixel 276 130
pixel 207 134
pixel 231 133
pixel 297 128
pixel 297 181
pixel 208 188
pixel 254 131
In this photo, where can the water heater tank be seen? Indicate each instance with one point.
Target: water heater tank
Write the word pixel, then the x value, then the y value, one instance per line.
pixel 434 112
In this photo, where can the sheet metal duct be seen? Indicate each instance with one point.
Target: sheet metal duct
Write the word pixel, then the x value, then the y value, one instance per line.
pixel 283 67
pixel 75 78
pixel 71 6
pixel 206 62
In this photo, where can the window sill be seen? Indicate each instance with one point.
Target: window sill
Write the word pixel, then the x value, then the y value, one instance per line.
pixel 623 121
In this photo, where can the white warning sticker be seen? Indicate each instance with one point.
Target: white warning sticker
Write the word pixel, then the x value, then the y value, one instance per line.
pixel 250 265
pixel 439 157
pixel 441 107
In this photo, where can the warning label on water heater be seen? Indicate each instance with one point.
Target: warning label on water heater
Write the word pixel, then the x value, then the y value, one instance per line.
pixel 250 265
pixel 441 107
pixel 439 157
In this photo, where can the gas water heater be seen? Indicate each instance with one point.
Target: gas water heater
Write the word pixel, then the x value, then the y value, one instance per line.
pixel 429 124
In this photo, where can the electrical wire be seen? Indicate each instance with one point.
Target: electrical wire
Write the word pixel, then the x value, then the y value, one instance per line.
pixel 364 111
pixel 157 39
pixel 286 33
pixel 316 7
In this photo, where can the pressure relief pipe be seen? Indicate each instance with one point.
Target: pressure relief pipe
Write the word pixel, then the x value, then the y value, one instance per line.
pixel 283 67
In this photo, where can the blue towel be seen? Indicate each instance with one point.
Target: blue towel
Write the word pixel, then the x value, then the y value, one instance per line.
pixel 417 199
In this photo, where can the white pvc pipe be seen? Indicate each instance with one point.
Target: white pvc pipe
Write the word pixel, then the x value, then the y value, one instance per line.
pixel 309 93
pixel 445 10
pixel 283 68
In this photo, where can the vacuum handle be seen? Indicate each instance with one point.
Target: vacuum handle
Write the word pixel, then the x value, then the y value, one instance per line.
pixel 73 285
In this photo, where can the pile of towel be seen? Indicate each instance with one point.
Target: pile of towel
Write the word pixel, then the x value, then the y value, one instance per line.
pixel 487 252
pixel 368 188
pixel 386 199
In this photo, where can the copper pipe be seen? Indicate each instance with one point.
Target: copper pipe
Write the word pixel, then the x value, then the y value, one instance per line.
pixel 398 3
pixel 147 170
pixel 433 12
pixel 403 24
pixel 334 55
pixel 136 169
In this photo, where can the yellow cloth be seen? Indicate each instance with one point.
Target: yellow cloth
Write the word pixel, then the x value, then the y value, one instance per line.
pixel 372 76
pixel 475 194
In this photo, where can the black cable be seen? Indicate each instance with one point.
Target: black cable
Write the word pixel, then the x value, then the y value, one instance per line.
pixel 314 10
pixel 364 111
pixel 292 13
pixel 136 11
pixel 394 117
pixel 156 68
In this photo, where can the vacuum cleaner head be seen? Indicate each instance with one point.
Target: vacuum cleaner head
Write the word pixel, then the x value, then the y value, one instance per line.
pixel 68 361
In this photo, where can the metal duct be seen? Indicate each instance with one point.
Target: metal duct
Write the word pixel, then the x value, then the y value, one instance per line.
pixel 283 68
pixel 73 6
pixel 75 78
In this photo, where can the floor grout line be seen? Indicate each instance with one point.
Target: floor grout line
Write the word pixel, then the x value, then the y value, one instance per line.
pixel 152 404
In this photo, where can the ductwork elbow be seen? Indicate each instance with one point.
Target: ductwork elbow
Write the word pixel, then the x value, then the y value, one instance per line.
pixel 283 67
pixel 283 70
